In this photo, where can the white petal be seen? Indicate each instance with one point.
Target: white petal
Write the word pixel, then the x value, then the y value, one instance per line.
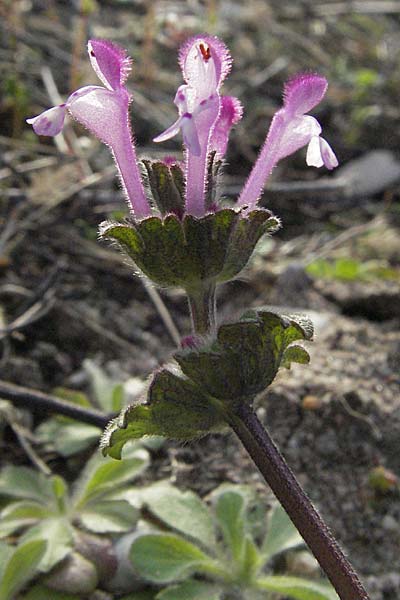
pixel 314 158
pixel 170 132
pixel 328 155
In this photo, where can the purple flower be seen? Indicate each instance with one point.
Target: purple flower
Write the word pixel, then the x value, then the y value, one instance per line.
pixel 105 112
pixel 290 130
pixel 204 119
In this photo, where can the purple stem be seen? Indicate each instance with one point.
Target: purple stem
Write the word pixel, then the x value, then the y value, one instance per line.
pixel 295 501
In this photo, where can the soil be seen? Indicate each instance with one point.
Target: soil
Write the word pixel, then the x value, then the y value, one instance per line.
pixel 335 420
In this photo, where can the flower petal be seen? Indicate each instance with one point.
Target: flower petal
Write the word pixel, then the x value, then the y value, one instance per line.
pixel 314 158
pixel 50 122
pixel 205 62
pixel 303 92
pixel 170 132
pixel 328 155
pixel 110 63
pixel 296 134
pixel 190 134
pixel 231 112
pixel 102 111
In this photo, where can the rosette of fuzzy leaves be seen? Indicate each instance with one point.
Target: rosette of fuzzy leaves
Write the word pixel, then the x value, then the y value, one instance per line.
pixel 214 378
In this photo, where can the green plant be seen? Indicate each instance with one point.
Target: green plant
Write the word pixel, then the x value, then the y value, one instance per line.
pixel 69 524
pixel 226 552
pixel 68 436
pixel 350 269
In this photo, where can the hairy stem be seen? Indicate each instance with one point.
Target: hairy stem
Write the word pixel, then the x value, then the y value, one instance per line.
pixel 203 309
pixel 298 506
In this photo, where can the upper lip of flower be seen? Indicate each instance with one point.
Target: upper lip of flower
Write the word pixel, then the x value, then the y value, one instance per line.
pixel 104 111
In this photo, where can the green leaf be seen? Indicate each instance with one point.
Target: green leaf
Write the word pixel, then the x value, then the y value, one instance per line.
pixel 40 592
pixel 176 409
pixel 5 553
pixel 104 475
pixel 25 483
pixel 118 397
pixel 295 354
pixel 112 516
pixel 21 567
pixel 67 437
pixel 104 387
pixel 281 535
pixel 244 237
pixel 246 355
pixel 191 590
pixel 230 510
pixel 58 534
pixel 73 396
pixel 189 251
pixel 165 558
pixel 142 595
pixel 182 511
pixel 297 588
pixel 20 514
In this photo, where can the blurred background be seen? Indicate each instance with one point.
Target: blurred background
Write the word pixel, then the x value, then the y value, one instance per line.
pixel 65 298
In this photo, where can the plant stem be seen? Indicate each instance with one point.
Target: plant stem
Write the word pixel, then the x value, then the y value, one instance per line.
pixel 41 403
pixel 295 501
pixel 203 309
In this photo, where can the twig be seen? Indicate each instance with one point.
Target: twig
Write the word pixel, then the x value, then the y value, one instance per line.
pixel 343 237
pixel 30 452
pixel 162 310
pixel 42 404
pixel 98 328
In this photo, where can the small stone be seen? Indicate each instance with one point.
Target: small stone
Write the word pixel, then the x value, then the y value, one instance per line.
pixel 310 402
pixel 302 564
pixel 389 523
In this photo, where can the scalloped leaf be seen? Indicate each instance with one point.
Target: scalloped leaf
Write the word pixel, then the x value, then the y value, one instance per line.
pixel 246 355
pixel 190 251
pixel 175 409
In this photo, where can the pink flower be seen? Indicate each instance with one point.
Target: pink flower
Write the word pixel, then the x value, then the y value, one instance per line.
pixel 205 62
pixel 105 112
pixel 290 130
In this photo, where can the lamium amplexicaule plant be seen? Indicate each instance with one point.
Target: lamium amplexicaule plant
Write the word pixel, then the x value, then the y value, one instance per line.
pixel 181 232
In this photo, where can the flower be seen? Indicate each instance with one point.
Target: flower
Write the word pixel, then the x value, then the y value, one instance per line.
pixel 204 118
pixel 105 112
pixel 291 129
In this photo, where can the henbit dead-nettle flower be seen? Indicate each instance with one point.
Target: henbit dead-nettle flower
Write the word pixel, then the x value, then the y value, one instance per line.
pixel 291 129
pixel 105 112
pixel 205 120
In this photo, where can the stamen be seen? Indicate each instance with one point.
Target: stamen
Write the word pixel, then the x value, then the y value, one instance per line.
pixel 205 51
